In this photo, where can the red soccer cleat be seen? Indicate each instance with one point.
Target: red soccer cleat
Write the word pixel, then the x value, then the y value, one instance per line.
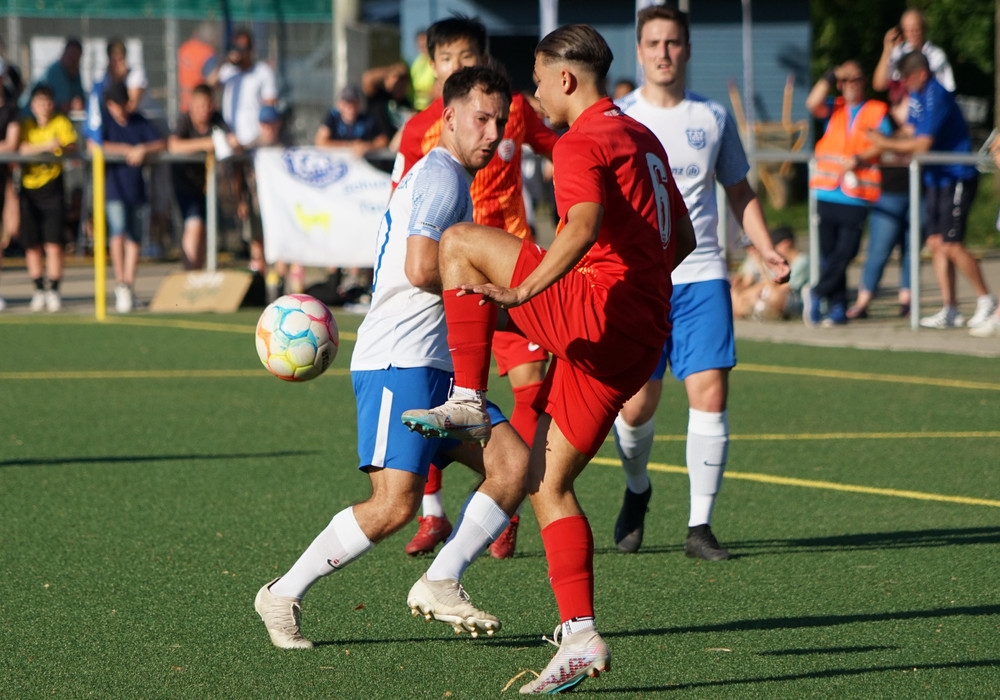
pixel 430 531
pixel 504 545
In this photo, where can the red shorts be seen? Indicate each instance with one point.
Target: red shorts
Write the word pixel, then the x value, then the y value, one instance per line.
pixel 597 368
pixel 513 350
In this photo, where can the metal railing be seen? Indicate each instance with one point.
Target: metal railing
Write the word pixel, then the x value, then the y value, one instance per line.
pixel 980 160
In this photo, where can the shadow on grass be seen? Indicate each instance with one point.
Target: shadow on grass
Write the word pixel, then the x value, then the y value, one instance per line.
pixel 904 539
pixel 829 673
pixel 39 462
pixel 805 622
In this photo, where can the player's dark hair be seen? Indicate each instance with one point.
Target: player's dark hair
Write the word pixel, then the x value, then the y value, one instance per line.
pixel 912 62
pixel 450 30
pixel 244 33
pixel 73 43
pixel 667 12
pixel 491 79
pixel 203 90
pixel 580 44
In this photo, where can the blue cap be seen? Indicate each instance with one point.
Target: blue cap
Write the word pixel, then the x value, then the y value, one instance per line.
pixel 268 114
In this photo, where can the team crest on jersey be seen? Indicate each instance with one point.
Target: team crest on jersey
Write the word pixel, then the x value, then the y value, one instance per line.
pixel 506 150
pixel 692 171
pixel 696 138
pixel 312 168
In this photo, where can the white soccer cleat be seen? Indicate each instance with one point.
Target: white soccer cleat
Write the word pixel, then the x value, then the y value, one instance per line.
pixel 281 618
pixel 580 656
pixel 987 329
pixel 53 301
pixel 464 419
pixel 446 601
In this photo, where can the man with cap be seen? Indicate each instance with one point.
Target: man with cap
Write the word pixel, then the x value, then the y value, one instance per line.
pixel 349 126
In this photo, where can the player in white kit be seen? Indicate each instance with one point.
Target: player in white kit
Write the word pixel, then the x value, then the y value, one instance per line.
pixel 401 359
pixel 702 142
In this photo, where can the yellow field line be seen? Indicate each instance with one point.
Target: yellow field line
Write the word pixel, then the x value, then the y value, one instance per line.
pixel 868 377
pixel 813 484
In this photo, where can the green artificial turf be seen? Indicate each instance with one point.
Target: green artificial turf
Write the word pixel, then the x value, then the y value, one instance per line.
pixel 153 476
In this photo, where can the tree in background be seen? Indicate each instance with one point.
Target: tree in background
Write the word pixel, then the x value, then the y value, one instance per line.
pixel 965 29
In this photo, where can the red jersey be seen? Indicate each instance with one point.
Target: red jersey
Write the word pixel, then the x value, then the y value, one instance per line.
pixel 610 159
pixel 496 190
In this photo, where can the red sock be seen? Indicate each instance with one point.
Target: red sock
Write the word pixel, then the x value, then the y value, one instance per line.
pixel 470 337
pixel 569 549
pixel 524 418
pixel 433 484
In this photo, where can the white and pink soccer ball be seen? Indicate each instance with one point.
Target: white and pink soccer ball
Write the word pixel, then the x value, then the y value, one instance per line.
pixel 297 337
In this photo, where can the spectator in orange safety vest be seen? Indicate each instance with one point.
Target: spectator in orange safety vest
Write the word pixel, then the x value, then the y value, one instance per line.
pixel 846 182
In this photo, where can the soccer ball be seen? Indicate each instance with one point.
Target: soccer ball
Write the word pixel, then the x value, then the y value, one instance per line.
pixel 297 337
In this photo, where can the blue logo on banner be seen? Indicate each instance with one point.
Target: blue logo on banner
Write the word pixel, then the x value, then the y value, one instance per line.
pixel 696 138
pixel 314 169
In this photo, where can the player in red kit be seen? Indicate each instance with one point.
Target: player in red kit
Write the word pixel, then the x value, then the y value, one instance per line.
pixel 598 300
pixel 498 201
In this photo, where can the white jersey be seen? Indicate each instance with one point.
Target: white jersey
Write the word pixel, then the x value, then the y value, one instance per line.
pixel 405 326
pixel 703 145
pixel 243 94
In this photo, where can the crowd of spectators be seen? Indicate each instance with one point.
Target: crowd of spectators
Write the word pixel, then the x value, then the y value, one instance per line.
pixel 230 104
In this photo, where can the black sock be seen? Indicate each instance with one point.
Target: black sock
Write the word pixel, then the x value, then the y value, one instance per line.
pixel 39 283
pixel 54 285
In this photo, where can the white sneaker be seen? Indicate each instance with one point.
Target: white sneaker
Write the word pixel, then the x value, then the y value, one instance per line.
pixel 986 306
pixel 53 301
pixel 987 329
pixel 580 655
pixel 123 299
pixel 281 618
pixel 462 419
pixel 448 602
pixel 37 300
pixel 947 317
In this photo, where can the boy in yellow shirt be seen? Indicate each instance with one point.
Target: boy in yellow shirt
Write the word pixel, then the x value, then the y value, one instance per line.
pixel 43 208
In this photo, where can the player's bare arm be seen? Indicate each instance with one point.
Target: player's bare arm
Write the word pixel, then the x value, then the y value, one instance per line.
pixel 421 264
pixel 583 223
pixel 746 208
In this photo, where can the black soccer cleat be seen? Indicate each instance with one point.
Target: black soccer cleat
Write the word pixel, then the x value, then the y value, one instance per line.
pixel 701 544
pixel 631 519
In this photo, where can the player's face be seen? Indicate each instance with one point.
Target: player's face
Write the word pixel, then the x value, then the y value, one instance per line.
pixel 478 122
pixel 663 53
pixel 448 58
pixel 549 79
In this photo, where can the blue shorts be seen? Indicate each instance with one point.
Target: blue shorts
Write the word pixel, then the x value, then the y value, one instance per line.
pixel 702 337
pixel 383 441
pixel 124 220
pixel 191 204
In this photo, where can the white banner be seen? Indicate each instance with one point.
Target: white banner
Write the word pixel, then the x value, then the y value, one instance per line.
pixel 319 207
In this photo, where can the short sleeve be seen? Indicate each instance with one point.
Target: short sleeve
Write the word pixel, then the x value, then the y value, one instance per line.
pixel 440 199
pixel 732 165
pixel 66 133
pixel 268 85
pixel 579 167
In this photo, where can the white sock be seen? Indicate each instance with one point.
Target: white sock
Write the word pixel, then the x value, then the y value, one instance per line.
pixel 338 545
pixel 431 504
pixel 635 443
pixel 481 522
pixel 707 447
pixel 577 624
